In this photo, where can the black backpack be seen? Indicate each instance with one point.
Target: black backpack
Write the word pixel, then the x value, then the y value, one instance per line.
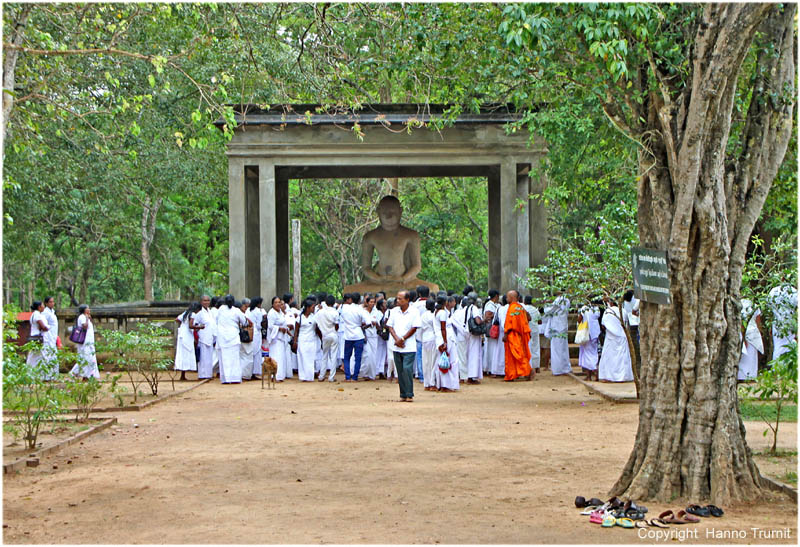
pixel 473 326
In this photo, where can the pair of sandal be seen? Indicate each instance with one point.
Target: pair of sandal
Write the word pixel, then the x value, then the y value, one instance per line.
pixel 707 511
pixel 682 517
pixel 581 502
pixel 609 521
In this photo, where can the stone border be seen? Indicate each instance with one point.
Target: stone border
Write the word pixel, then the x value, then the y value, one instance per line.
pixel 128 408
pixel 607 396
pixel 23 462
pixel 780 487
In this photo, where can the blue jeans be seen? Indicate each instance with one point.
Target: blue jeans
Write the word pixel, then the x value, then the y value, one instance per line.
pixel 419 362
pixel 349 345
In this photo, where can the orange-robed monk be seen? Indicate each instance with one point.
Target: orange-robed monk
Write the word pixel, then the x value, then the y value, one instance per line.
pixel 516 336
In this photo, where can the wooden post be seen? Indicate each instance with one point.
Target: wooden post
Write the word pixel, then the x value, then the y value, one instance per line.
pixel 297 279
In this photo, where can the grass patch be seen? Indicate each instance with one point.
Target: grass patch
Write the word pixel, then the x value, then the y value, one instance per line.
pixel 757 411
pixel 789 477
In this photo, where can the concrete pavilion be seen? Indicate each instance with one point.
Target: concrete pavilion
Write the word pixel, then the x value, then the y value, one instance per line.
pixel 271 146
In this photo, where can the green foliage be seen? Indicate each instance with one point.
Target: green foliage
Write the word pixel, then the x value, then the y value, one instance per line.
pixel 778 385
pixel 592 263
pixel 753 410
pixel 85 394
pixel 33 400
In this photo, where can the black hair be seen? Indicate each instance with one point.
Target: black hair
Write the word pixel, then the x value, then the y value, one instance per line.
pixel 356 297
pixel 237 304
pixel 194 307
pixel 493 293
pixel 35 305
pixel 468 289
pixel 255 302
pixel 430 305
pixel 346 296
pixel 220 301
pixel 272 300
pixel 230 301
pixel 423 291
pixel 451 298
pixel 382 293
pixel 47 299
pixel 380 304
pixel 82 309
pixel 440 302
pixel 627 297
pixel 330 300
pixel 213 302
pixel 451 292
pixel 369 297
pixel 287 297
pixel 309 303
pixel 528 300
pixel 412 295
pixel 504 300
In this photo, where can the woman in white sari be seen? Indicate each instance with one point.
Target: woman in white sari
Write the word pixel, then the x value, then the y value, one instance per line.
pixel 50 339
pixel 490 348
pixel 185 358
pixel 445 343
pixel 752 344
pixel 256 315
pixel 276 338
pixel 38 328
pixel 307 341
pixel 86 367
pixel 247 349
pixel 230 320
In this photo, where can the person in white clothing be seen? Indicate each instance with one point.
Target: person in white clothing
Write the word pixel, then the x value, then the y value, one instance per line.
pixel 327 320
pixel 216 302
pixel 38 328
pixel 459 324
pixel 429 352
pixel 423 293
pixel 493 346
pixel 354 321
pixel 86 367
pixel 205 338
pixel 474 353
pixel 402 324
pixel 369 363
pixel 783 301
pixel 307 340
pixel 535 316
pixel 185 358
pixel 379 314
pixel 752 343
pixel 230 321
pixel 277 334
pixel 557 333
pixel 446 380
pixel 587 357
pixel 50 340
pixel 615 360
pixel 391 368
pixel 498 369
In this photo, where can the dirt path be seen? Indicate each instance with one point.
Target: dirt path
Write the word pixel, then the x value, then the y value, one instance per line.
pixel 346 463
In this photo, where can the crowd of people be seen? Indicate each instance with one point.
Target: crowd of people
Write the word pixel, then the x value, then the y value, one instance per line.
pixel 442 340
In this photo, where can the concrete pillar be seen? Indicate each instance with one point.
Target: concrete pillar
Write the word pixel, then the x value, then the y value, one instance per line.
pixel 236 227
pixel 266 230
pixel 523 230
pixel 493 191
pixel 252 236
pixel 537 217
pixel 508 225
pixel 282 232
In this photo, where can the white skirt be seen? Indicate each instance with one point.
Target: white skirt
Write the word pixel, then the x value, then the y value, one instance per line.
pixel 748 363
pixel 246 359
pixel 559 356
pixel 185 358
pixel 306 355
pixel 474 357
pixel 449 379
pixel 230 367
pixel 278 350
pixel 205 366
pixel 86 367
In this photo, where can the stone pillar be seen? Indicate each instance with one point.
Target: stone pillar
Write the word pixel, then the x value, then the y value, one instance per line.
pixel 537 218
pixel 508 225
pixel 523 231
pixel 236 227
pixel 252 237
pixel 282 232
pixel 493 192
pixel 267 232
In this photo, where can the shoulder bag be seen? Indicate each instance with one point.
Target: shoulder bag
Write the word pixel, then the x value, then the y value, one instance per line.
pixel 78 334
pixel 494 330
pixel 473 326
pixel 244 335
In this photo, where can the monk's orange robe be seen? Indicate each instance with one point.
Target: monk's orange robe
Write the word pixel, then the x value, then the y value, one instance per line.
pixel 518 354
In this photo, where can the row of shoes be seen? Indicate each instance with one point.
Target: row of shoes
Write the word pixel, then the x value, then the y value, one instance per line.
pixel 629 514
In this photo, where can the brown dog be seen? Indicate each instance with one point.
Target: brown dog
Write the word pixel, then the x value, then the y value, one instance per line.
pixel 269 367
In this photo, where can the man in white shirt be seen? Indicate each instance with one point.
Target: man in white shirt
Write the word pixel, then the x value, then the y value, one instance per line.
pixel 423 292
pixel 354 319
pixel 328 323
pixel 205 338
pixel 402 324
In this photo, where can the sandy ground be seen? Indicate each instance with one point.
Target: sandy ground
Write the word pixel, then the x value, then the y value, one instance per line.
pixel 347 463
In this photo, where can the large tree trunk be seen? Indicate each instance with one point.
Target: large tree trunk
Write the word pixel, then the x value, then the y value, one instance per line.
pixel 148 231
pixel 691 441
